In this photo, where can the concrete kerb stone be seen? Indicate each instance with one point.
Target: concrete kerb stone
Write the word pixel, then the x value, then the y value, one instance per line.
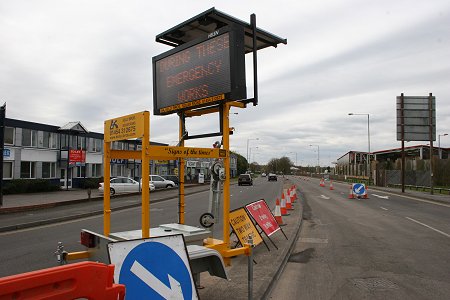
pixel 267 270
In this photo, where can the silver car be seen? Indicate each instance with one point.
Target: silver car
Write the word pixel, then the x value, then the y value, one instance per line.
pixel 160 182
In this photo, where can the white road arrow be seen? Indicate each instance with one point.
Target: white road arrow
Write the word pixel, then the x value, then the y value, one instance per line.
pixel 359 189
pixel 324 197
pixel 174 292
pixel 379 196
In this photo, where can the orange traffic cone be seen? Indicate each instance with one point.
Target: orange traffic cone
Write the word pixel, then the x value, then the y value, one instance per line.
pixel 291 194
pixel 351 195
pixel 366 195
pixel 288 201
pixel 295 193
pixel 322 182
pixel 331 185
pixel 277 213
pixel 283 206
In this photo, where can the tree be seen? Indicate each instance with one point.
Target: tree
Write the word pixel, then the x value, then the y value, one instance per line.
pixel 241 163
pixel 277 165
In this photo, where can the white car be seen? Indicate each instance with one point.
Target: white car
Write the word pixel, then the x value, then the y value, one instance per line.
pixel 160 182
pixel 123 185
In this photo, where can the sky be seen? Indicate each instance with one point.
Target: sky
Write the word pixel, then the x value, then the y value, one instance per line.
pixel 90 61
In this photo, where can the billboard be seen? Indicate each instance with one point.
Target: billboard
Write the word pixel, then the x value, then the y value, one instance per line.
pixel 200 73
pixel 418 114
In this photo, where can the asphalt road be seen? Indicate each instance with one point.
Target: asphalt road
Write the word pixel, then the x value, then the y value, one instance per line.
pixel 32 249
pixel 385 247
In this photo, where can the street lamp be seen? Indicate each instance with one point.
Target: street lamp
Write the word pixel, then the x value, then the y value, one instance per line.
pixel 439 144
pixel 368 142
pixel 318 155
pixel 250 153
pixel 257 139
pixel 295 157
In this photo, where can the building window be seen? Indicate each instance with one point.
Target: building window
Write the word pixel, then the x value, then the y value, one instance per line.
pixel 96 170
pixel 98 145
pixel 81 171
pixel 48 170
pixel 7 170
pixel 29 137
pixel 50 140
pixel 28 169
pixel 9 135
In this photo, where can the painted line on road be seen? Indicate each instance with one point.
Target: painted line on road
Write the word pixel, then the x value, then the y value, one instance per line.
pixel 417 199
pixel 428 226
pixel 383 208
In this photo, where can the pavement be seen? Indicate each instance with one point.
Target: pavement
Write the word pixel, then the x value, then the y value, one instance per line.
pixel 268 262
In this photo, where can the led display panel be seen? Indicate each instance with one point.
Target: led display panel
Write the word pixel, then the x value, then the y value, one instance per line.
pixel 200 73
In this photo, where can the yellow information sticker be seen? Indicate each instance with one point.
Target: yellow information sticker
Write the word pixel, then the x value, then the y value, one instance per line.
pixel 244 227
pixel 126 127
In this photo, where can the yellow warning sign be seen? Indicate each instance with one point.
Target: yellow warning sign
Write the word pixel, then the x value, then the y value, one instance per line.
pixel 126 127
pixel 244 227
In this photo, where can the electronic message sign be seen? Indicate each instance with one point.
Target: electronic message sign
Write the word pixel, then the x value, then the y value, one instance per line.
pixel 200 73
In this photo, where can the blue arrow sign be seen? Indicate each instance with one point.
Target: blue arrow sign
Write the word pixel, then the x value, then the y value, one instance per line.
pixel 359 189
pixel 153 270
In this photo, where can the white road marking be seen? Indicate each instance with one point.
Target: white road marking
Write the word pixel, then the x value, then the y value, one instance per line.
pixel 379 196
pixel 428 226
pixel 324 197
pixel 314 240
pixel 174 292
pixel 383 208
pixel 417 199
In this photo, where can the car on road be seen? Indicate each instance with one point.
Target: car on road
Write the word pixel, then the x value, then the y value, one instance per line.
pixel 161 183
pixel 174 178
pixel 272 177
pixel 245 179
pixel 263 175
pixel 121 185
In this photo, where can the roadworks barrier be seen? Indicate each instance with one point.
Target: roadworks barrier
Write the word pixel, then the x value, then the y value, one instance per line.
pixel 83 280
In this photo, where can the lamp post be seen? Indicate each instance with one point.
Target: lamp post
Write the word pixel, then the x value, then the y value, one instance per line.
pixel 318 155
pixel 439 144
pixel 368 142
pixel 248 140
pixel 295 157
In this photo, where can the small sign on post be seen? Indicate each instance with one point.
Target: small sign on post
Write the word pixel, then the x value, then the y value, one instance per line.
pixel 125 127
pixel 243 227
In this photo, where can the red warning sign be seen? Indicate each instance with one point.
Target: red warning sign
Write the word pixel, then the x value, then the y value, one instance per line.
pixel 261 213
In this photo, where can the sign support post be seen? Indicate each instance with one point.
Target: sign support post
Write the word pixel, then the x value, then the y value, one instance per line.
pixel 146 177
pixel 181 171
pixel 226 164
pixel 106 189
pixel 430 111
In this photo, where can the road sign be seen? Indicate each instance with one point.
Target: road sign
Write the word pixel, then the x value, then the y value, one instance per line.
pixel 244 227
pixel 359 189
pixel 6 153
pixel 263 217
pixel 126 127
pixel 154 268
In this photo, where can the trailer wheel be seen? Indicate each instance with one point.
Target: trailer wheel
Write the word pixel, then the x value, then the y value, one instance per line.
pixel 207 220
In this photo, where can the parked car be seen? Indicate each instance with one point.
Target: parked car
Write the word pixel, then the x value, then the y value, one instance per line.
pixel 160 182
pixel 174 178
pixel 272 177
pixel 263 175
pixel 121 185
pixel 245 179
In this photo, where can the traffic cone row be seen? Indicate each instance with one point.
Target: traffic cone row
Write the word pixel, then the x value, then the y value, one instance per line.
pixel 331 185
pixel 322 182
pixel 282 207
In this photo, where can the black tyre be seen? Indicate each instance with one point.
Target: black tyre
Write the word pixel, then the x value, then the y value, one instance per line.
pixel 112 191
